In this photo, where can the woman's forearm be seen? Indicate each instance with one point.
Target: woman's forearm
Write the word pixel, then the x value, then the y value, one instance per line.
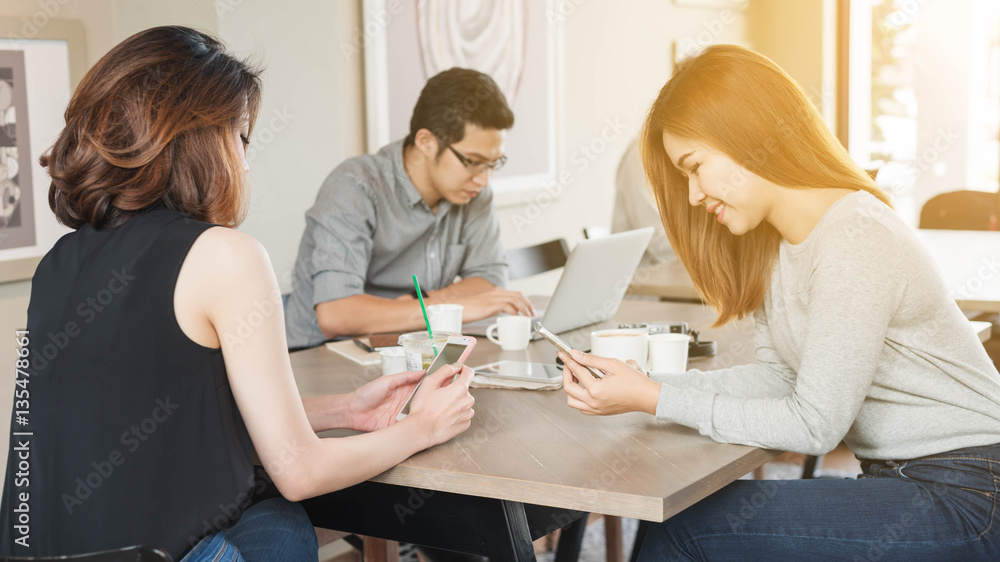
pixel 328 412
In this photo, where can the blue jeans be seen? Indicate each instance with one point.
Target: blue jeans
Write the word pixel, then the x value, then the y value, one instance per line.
pixel 274 529
pixel 939 507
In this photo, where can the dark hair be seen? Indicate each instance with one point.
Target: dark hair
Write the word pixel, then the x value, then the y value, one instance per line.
pixel 455 97
pixel 153 122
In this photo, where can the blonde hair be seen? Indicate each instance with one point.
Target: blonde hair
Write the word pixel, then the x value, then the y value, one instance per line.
pixel 741 103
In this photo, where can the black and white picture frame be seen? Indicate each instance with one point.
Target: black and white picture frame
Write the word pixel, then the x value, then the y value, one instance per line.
pixel 39 67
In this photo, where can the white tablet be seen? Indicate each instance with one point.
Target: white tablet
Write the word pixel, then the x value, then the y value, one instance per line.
pixel 521 371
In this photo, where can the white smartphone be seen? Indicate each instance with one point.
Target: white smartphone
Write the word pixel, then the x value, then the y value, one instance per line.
pixel 455 350
pixel 563 347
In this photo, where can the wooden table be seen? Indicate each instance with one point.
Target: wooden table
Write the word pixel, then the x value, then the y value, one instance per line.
pixel 530 464
pixel 968 260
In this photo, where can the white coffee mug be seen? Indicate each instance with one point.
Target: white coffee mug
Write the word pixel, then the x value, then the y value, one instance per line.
pixel 668 353
pixel 621 344
pixel 513 332
pixel 445 317
pixel 393 360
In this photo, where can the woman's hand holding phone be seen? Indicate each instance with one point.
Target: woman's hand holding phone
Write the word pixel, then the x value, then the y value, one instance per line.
pixel 624 387
pixel 375 405
pixel 443 406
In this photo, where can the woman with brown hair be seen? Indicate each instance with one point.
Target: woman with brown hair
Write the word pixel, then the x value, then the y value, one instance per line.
pixel 157 360
pixel 857 338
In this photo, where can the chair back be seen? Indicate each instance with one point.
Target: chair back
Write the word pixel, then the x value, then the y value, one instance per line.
pixel 525 262
pixel 961 210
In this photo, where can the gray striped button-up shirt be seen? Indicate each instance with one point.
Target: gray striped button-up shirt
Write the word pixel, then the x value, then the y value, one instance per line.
pixel 370 230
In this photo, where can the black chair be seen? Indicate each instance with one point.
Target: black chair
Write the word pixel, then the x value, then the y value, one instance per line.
pixel 525 262
pixel 128 554
pixel 961 210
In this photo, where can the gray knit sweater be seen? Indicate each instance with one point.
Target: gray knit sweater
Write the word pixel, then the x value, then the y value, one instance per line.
pixel 857 340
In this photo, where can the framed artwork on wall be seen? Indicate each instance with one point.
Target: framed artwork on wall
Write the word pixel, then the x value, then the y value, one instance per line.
pixel 39 66
pixel 516 42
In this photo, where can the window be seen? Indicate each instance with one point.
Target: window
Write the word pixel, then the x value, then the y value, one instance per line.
pixel 925 96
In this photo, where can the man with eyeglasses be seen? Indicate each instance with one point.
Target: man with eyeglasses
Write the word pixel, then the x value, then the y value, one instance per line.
pixel 420 206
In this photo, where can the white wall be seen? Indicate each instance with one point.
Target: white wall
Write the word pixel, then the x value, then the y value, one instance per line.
pixel 800 36
pixel 617 56
pixel 312 113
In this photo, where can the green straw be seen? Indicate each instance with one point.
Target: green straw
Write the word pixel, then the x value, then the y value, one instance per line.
pixel 420 297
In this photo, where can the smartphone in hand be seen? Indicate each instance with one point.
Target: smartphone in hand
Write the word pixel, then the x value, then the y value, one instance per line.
pixel 563 347
pixel 455 350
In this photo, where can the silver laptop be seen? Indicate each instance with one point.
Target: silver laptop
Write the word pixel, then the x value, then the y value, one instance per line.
pixel 593 283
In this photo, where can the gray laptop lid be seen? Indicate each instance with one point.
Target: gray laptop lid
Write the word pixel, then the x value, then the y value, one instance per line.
pixel 594 280
pixel 592 285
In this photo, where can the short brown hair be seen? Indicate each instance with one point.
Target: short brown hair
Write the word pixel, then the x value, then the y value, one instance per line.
pixel 453 98
pixel 152 122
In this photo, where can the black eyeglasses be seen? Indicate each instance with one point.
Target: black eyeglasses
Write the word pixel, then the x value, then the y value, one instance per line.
pixel 476 168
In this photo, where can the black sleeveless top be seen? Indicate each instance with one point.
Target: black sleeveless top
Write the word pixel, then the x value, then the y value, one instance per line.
pixel 135 436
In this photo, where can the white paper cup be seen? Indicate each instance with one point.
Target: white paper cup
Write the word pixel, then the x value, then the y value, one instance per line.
pixel 393 360
pixel 668 353
pixel 445 317
pixel 621 344
pixel 420 349
pixel 513 332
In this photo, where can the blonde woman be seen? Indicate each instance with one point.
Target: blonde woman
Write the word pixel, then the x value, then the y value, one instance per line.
pixel 857 338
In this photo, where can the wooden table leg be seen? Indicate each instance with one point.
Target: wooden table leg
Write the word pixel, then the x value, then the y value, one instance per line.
pixel 613 538
pixel 380 550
